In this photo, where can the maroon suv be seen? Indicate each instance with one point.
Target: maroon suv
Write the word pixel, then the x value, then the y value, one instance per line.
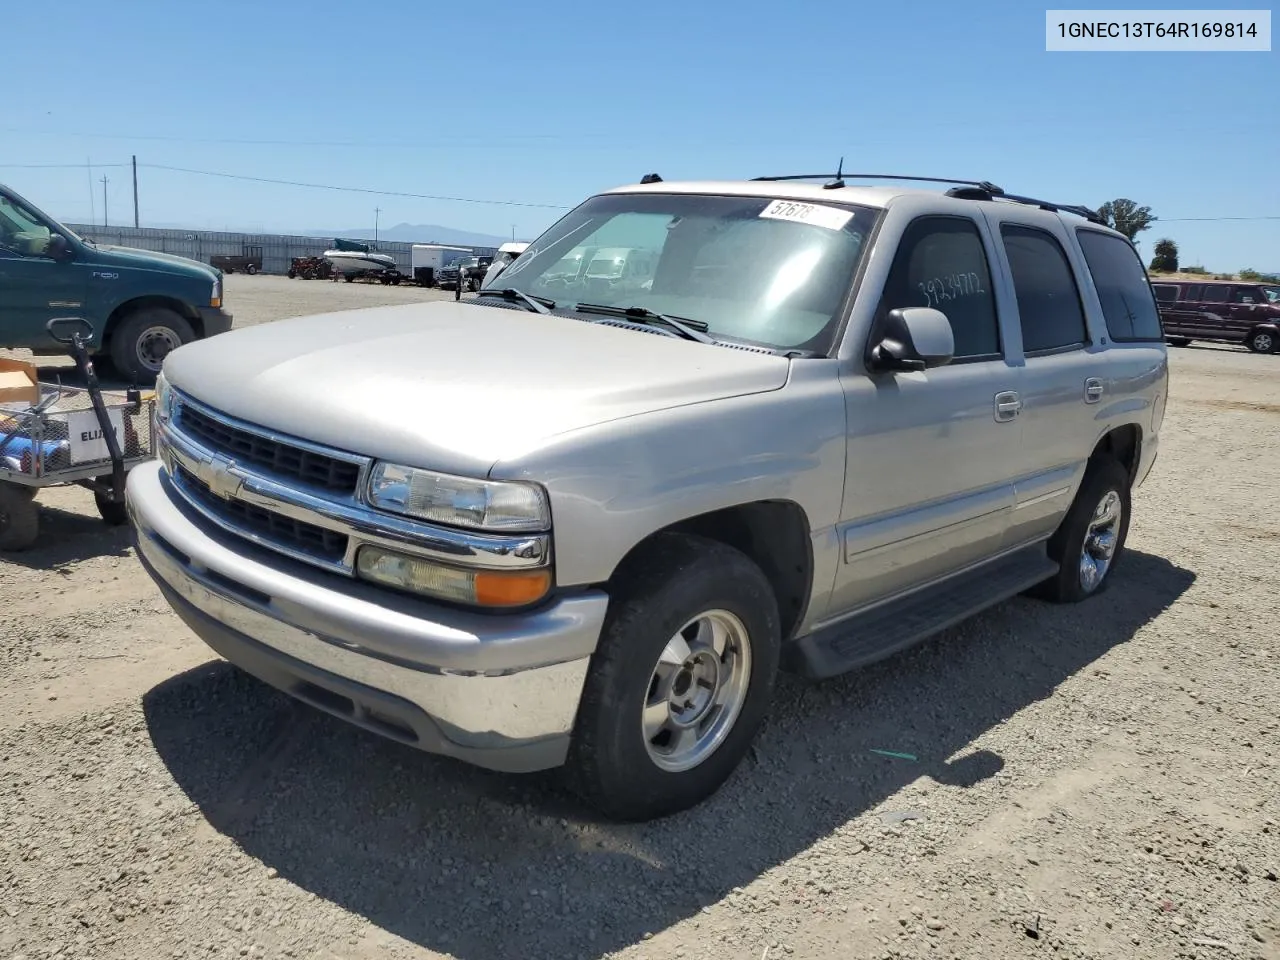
pixel 1230 311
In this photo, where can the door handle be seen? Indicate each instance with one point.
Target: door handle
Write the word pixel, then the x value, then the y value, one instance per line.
pixel 1092 390
pixel 1008 406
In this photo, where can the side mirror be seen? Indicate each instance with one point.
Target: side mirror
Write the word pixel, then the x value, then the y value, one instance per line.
pixel 914 338
pixel 59 248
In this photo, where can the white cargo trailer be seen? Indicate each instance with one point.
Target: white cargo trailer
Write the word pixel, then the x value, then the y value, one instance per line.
pixel 426 259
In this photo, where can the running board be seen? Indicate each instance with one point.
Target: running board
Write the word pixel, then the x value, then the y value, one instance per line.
pixel 894 626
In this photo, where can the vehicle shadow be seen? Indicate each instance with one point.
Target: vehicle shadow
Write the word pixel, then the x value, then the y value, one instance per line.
pixel 67 537
pixel 487 867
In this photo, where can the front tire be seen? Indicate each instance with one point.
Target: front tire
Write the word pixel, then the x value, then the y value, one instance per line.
pixel 680 682
pixel 1262 341
pixel 140 344
pixel 113 514
pixel 1090 540
pixel 251 269
pixel 1179 342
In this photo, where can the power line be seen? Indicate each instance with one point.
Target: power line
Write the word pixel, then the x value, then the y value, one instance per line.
pixel 328 186
pixel 1207 219
pixel 57 166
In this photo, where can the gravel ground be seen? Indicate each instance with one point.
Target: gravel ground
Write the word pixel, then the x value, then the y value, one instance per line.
pixel 1095 781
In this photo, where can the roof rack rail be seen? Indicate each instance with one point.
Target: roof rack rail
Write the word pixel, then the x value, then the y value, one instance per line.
pixel 979 193
pixel 837 180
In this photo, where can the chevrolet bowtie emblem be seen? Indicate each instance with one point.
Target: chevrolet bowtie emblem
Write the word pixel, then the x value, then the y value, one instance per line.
pixel 219 477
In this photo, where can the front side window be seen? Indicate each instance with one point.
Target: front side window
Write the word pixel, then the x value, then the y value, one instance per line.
pixel 1272 293
pixel 941 264
pixel 22 232
pixel 1123 288
pixel 1248 295
pixel 758 270
pixel 1049 306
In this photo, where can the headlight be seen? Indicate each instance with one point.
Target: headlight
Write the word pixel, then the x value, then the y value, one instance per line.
pixel 499 506
pixel 164 399
pixel 215 298
pixel 481 588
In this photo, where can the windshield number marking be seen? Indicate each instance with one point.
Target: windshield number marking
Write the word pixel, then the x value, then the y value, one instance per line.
pixel 833 218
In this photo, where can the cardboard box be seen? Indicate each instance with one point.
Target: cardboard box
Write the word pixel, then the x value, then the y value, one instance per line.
pixel 18 382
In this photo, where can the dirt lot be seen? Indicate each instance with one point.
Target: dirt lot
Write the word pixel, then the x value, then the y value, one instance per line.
pixel 1097 781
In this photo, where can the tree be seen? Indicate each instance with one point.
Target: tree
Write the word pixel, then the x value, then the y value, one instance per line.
pixel 1249 273
pixel 1166 258
pixel 1126 216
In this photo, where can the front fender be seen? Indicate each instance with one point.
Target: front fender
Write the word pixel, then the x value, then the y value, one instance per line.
pixel 615 484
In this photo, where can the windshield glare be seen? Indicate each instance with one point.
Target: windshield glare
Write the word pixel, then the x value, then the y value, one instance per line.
pixel 1273 293
pixel 754 269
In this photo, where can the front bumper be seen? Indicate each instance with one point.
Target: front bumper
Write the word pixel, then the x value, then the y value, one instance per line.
pixel 214 320
pixel 499 691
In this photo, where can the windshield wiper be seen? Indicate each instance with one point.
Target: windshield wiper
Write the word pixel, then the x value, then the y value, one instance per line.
pixel 689 329
pixel 536 304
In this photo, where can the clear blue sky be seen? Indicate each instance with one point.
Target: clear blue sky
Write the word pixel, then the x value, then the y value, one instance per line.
pixel 562 99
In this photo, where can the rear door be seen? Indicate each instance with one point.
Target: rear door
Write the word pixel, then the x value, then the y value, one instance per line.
pixel 1062 375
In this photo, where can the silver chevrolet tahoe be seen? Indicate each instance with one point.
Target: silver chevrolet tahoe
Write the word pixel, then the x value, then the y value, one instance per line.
pixel 584 519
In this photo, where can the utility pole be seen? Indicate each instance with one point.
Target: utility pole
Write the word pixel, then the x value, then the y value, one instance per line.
pixel 376 212
pixel 135 191
pixel 513 233
pixel 104 199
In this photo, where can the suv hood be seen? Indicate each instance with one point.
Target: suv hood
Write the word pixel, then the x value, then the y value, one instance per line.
pixel 454 386
pixel 149 260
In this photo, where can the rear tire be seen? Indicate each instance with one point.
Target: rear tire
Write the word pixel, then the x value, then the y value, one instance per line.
pixel 1090 540
pixel 1179 342
pixel 142 341
pixel 1262 341
pixel 680 682
pixel 19 518
pixel 251 269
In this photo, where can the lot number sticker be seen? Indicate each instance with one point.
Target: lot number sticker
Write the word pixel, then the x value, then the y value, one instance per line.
pixel 85 433
pixel 833 218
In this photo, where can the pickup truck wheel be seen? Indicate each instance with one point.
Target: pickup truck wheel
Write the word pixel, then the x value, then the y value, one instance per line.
pixel 1262 341
pixel 1091 538
pixel 19 518
pixel 680 681
pixel 1179 342
pixel 251 269
pixel 140 344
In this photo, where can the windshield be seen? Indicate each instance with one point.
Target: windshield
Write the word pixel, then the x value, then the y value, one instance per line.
pixel 754 269
pixel 1273 293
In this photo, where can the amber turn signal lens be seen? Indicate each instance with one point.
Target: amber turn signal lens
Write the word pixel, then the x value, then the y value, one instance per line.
pixel 511 589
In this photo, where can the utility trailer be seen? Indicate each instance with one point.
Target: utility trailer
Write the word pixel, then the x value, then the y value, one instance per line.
pixel 249 261
pixel 426 260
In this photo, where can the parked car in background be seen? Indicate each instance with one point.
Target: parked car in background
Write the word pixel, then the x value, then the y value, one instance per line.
pixel 142 305
pixel 1225 311
pixel 470 269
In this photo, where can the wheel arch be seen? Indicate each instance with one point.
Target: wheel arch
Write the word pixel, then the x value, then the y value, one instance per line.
pixel 1123 443
pixel 773 534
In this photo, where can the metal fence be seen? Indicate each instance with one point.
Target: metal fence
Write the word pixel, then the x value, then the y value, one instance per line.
pixel 277 249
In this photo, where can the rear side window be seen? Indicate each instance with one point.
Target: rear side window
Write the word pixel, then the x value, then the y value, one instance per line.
pixel 1165 293
pixel 1126 296
pixel 1049 306
pixel 941 264
pixel 1214 294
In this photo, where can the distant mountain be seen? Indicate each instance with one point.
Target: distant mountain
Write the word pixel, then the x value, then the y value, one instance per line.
pixel 416 233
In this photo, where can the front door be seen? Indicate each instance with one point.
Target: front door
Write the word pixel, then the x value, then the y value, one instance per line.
pixel 33 286
pixel 931 455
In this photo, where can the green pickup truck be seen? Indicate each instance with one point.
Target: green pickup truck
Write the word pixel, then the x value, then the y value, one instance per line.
pixel 142 305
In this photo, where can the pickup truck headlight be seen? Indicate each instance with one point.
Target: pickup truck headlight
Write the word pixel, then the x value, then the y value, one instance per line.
pixel 495 506
pixel 477 588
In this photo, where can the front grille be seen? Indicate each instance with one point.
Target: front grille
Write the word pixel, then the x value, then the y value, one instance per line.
pixel 278 529
pixel 314 469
